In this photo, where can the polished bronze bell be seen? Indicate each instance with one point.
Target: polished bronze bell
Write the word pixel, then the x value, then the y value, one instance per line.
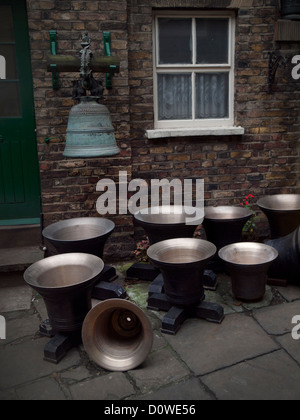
pixel 287 265
pixel 80 234
pixel 166 222
pixel 182 262
pixel 117 335
pixel 224 224
pixel 65 282
pixel 283 213
pixel 248 264
pixel 90 132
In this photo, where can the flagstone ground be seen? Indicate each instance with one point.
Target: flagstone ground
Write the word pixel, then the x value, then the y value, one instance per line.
pixel 251 355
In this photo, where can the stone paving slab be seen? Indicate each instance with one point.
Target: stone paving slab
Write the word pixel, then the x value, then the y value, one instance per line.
pixel 159 369
pixel 23 362
pixel 273 376
pixel 277 320
pixel 15 298
pixel 290 345
pixel 41 390
pixel 206 347
pixel 290 293
pixel 188 390
pixel 19 327
pixel 114 386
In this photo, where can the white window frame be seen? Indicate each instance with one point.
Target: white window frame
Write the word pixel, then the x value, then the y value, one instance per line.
pixel 166 128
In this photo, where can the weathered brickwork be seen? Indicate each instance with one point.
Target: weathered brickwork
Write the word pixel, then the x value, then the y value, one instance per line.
pixel 265 160
pixel 69 185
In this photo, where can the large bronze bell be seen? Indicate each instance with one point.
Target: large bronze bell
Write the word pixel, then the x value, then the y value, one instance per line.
pixel 166 222
pixel 182 262
pixel 80 234
pixel 248 264
pixel 283 213
pixel 65 282
pixel 287 265
pixel 117 335
pixel 90 132
pixel 224 224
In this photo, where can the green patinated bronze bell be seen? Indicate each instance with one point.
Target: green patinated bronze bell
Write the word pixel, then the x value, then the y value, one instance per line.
pixel 90 132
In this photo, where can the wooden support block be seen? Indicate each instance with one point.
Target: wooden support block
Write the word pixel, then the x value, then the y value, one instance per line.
pixel 70 64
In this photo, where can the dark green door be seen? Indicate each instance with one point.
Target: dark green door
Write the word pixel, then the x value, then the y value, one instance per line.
pixel 19 170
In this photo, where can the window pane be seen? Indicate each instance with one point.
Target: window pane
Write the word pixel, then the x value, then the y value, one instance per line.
pixel 9 53
pixel 175 41
pixel 212 41
pixel 6 24
pixel 9 99
pixel 174 96
pixel 212 95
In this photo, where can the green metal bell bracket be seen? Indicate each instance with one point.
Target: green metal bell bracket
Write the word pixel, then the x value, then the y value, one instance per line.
pixel 107 53
pixel 53 50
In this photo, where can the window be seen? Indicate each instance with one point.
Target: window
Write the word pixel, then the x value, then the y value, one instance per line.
pixel 194 70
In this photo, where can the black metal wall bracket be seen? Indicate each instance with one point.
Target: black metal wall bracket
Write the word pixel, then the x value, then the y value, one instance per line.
pixel 107 53
pixel 108 64
pixel 53 50
pixel 275 61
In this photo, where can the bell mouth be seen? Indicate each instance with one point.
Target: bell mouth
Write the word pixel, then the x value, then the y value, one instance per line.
pixel 63 271
pixel 167 215
pixel 78 229
pixel 226 213
pixel 117 335
pixel 248 254
pixel 280 202
pixel 181 251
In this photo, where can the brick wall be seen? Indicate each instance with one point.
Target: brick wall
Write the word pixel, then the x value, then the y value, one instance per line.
pixel 263 161
pixel 69 185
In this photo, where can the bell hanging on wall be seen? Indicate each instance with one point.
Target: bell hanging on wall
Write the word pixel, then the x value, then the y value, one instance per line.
pixel 90 132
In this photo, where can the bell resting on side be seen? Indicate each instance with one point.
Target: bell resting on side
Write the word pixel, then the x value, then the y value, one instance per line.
pixel 117 335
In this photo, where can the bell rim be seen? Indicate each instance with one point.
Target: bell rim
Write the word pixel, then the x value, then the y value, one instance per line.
pixel 245 213
pixel 263 202
pixel 182 243
pixel 32 273
pixel 91 319
pixel 273 253
pixel 138 216
pixel 49 231
pixel 90 152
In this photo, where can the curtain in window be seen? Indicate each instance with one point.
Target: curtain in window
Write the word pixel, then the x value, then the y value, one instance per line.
pixel 174 96
pixel 212 95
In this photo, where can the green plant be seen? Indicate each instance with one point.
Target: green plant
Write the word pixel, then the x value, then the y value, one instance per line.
pixel 250 227
pixel 140 253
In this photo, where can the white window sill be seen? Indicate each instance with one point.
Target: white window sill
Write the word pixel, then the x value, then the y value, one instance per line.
pixel 188 132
